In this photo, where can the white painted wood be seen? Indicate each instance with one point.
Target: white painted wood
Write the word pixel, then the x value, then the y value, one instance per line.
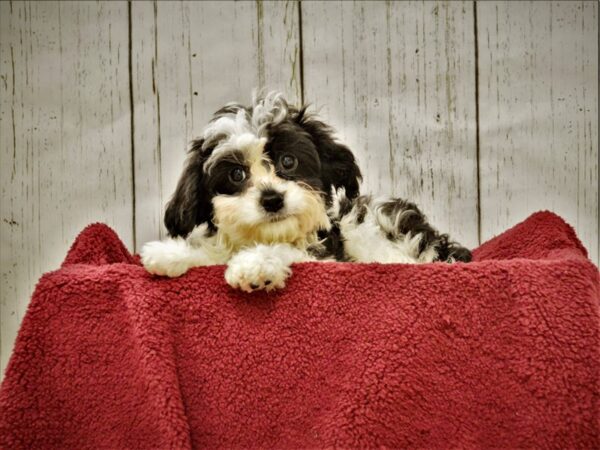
pixel 65 152
pixel 539 114
pixel 190 59
pixel 396 79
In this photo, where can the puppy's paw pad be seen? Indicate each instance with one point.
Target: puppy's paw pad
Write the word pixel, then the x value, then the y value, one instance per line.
pixel 250 272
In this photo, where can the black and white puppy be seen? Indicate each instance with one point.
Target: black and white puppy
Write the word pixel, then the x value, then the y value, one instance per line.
pixel 267 186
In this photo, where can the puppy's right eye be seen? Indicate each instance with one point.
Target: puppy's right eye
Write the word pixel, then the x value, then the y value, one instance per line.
pixel 237 175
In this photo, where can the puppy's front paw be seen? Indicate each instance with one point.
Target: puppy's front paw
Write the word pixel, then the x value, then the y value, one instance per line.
pixel 458 253
pixel 164 258
pixel 255 269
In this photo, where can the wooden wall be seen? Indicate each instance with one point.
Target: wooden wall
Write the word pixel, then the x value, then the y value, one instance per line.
pixel 481 113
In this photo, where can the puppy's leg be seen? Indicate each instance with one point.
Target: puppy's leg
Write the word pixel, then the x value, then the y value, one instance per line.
pixel 175 256
pixel 406 218
pixel 263 266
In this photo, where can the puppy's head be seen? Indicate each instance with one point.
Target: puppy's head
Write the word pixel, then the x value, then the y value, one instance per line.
pixel 263 173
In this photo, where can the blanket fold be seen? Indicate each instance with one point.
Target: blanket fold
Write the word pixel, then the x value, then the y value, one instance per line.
pixel 501 352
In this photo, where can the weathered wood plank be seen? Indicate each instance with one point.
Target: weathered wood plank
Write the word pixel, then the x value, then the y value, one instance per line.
pixel 65 154
pixel 539 114
pixel 397 80
pixel 191 58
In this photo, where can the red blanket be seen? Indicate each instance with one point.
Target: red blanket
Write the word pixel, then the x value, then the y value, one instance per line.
pixel 502 352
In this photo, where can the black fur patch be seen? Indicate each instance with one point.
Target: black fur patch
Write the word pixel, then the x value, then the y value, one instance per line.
pixel 190 204
pixel 331 245
pixel 332 241
pixel 288 138
pixel 338 166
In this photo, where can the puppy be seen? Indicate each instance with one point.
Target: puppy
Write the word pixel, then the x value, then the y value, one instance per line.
pixel 266 186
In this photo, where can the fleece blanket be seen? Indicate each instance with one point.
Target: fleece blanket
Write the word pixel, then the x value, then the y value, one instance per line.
pixel 503 352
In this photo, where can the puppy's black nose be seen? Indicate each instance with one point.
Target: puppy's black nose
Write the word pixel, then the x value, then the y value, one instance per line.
pixel 271 200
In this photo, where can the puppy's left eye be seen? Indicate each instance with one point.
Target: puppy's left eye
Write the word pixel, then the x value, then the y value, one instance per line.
pixel 237 175
pixel 288 162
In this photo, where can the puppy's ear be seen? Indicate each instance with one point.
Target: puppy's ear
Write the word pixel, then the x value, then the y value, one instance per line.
pixel 343 169
pixel 338 166
pixel 190 205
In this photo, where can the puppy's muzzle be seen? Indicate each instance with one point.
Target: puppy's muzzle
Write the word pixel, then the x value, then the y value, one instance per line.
pixel 271 201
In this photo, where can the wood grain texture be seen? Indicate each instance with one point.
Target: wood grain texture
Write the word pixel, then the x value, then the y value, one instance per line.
pixel 190 59
pixel 65 155
pixel 397 81
pixel 539 114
